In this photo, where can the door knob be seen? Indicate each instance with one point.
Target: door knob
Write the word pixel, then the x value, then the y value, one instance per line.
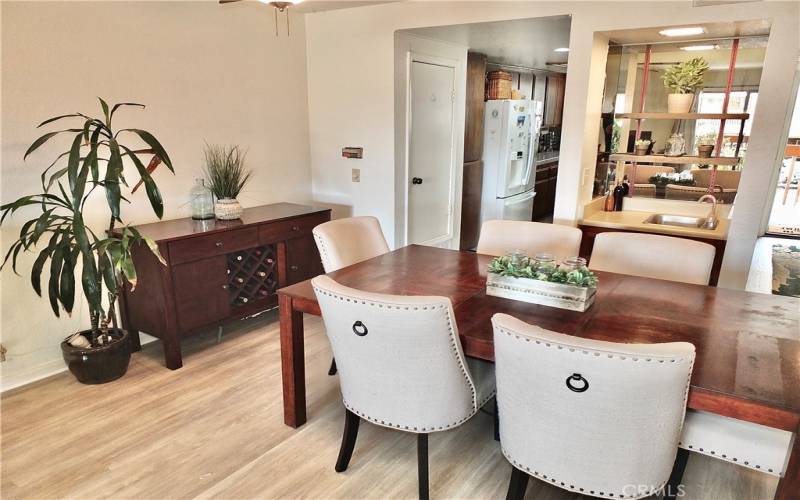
pixel 416 180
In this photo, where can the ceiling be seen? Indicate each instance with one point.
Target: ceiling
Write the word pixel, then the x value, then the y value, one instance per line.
pixel 308 6
pixel 522 42
pixel 713 30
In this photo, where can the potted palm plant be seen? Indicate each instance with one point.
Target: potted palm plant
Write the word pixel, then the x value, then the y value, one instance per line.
pixel 682 79
pixel 93 165
pixel 227 176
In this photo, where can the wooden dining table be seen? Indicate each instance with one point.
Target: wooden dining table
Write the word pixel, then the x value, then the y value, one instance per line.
pixel 747 344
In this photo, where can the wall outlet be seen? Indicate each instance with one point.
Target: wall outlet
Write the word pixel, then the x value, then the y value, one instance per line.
pixel 356 175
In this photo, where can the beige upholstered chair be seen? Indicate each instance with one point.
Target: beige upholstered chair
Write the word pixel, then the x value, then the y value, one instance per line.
pixel 744 443
pixel 344 242
pixel 653 256
pixel 498 237
pixel 400 365
pixel 594 418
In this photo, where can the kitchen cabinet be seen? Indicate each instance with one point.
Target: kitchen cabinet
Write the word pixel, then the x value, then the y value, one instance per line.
pixel 472 176
pixel 545 188
pixel 554 100
pixel 217 271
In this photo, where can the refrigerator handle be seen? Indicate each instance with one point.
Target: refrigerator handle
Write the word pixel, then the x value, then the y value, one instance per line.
pixel 533 146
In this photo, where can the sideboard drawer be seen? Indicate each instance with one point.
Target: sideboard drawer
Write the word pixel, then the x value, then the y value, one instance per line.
pixel 288 229
pixel 219 243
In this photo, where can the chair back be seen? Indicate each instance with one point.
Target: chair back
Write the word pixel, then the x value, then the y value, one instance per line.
pixel 399 358
pixel 592 417
pixel 653 256
pixel 728 179
pixel 344 242
pixel 498 237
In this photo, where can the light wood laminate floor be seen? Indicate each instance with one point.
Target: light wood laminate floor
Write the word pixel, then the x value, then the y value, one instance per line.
pixel 214 429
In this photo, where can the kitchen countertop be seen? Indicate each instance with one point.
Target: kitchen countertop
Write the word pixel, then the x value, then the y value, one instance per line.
pixel 634 221
pixel 547 156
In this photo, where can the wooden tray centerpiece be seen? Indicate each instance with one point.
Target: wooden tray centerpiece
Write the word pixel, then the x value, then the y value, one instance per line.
pixel 521 278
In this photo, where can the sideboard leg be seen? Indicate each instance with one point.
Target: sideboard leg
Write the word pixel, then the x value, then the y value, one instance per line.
pixel 172 352
pixel 292 364
pixel 136 343
pixel 789 484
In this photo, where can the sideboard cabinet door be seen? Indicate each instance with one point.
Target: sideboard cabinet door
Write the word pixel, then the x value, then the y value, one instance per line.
pixel 302 260
pixel 201 295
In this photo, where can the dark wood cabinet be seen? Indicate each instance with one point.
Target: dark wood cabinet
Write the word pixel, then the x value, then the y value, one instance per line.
pixel 554 100
pixel 545 189
pixel 217 271
pixel 472 177
pixel 591 232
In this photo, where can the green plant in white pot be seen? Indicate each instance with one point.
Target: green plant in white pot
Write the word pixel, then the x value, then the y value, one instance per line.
pixel 682 79
pixel 226 176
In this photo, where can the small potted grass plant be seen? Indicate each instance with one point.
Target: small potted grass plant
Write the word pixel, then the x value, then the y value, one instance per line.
pixel 682 79
pixel 226 176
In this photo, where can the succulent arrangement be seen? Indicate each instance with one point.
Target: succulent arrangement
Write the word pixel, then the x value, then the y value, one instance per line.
pixel 685 77
pixel 527 268
pixel 642 143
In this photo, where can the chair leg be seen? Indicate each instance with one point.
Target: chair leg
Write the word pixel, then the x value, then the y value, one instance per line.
pixel 351 421
pixel 496 421
pixel 517 485
pixel 672 488
pixel 332 369
pixel 422 465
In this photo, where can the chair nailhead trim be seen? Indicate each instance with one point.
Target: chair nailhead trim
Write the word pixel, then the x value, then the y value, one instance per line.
pixel 565 486
pixel 454 345
pixel 725 457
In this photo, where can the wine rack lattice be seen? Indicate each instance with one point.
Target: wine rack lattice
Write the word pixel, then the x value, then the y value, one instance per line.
pixel 252 275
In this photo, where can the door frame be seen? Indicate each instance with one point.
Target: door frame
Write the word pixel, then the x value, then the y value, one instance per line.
pixel 410 49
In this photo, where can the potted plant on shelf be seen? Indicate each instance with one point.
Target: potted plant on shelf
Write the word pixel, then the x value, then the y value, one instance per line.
pixel 641 146
pixel 227 176
pixel 682 79
pixel 705 146
pixel 94 164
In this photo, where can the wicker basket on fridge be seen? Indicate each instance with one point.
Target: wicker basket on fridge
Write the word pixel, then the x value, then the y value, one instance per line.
pixel 498 85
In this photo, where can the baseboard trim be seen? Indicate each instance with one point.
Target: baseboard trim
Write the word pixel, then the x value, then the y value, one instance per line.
pixel 46 370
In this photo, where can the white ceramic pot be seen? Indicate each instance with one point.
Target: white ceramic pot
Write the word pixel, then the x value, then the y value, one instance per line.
pixel 679 103
pixel 227 209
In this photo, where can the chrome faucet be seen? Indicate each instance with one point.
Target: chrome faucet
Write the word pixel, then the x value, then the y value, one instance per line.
pixel 711 220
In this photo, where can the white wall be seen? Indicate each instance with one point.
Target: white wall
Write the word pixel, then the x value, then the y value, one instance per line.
pixel 350 54
pixel 206 73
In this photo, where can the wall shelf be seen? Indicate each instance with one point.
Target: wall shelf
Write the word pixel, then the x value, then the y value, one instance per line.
pixel 684 116
pixel 682 160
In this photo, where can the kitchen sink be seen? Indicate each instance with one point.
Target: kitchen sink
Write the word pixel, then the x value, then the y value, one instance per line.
pixel 679 220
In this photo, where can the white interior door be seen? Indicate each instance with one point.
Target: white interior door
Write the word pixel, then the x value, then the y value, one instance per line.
pixel 431 154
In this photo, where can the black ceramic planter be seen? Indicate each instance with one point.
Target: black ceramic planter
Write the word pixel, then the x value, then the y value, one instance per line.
pixel 102 364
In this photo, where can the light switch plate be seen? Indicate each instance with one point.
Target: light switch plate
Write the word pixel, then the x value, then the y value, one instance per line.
pixel 356 175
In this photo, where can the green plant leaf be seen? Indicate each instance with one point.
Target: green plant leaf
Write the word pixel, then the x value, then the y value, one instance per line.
pixel 56 118
pixel 46 137
pixel 94 165
pixel 74 161
pixel 104 104
pixel 113 172
pixel 89 273
pixel 154 144
pixel 38 264
pixel 128 269
pixel 153 193
pixel 56 262
pixel 67 282
pixel 107 270
pixel 120 104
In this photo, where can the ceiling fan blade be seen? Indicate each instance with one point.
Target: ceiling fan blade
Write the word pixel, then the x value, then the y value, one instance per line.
pixel 229 1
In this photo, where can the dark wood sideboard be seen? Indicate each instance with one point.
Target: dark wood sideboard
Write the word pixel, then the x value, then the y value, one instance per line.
pixel 217 271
